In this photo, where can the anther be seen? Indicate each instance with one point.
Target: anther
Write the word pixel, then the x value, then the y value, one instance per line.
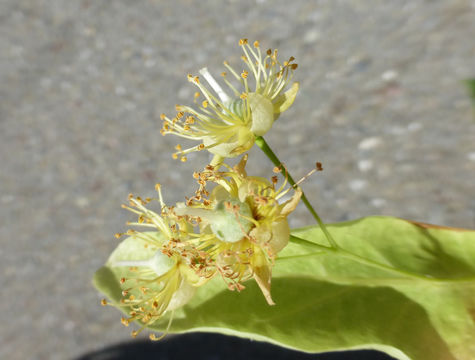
pixel 103 302
pixel 242 42
pixel 256 44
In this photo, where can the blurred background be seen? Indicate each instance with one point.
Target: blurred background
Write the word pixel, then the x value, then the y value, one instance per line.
pixel 83 82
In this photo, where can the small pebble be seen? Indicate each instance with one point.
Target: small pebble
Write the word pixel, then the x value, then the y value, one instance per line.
pixel 150 63
pixel 389 75
pixel 120 90
pixel 82 202
pixel 414 126
pixel 378 202
pixel 311 36
pixel 357 184
pixel 370 143
pixel 365 165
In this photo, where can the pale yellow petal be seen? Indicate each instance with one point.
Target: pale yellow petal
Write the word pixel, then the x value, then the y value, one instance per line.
pixel 280 235
pixel 182 296
pixel 251 185
pixel 263 275
pixel 262 113
pixel 239 143
pixel 240 167
pixel 290 205
pixel 285 100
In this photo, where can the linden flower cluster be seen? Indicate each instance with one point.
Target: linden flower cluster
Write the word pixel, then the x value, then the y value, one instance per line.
pixel 234 229
pixel 226 125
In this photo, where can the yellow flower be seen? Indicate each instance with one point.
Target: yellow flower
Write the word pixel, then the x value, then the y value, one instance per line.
pixel 161 281
pixel 226 125
pixel 242 224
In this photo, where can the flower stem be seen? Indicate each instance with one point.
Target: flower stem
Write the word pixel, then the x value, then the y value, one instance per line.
pixel 275 160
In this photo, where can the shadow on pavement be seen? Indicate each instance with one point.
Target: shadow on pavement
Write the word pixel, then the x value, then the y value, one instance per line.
pixel 201 346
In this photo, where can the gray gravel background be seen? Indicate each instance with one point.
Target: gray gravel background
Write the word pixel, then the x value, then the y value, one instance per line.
pixel 82 84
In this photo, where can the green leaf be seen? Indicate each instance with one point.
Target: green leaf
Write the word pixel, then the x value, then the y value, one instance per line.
pixel 470 84
pixel 404 288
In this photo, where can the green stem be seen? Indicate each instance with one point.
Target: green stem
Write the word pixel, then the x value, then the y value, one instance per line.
pixel 304 242
pixel 275 160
